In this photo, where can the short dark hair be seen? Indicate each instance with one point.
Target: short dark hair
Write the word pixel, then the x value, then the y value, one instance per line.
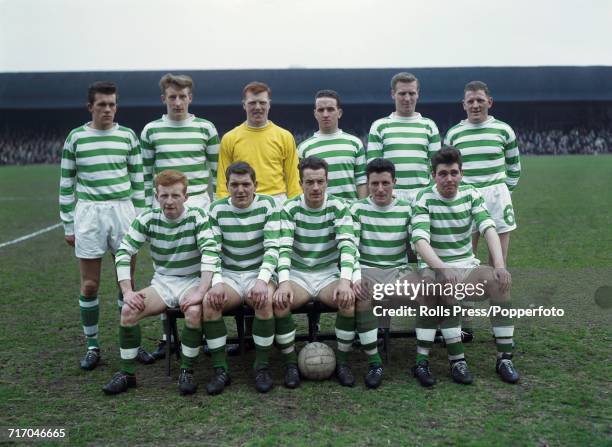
pixel 103 87
pixel 240 168
pixel 327 93
pixel 380 165
pixel 474 86
pixel 406 77
pixel 448 155
pixel 256 88
pixel 313 163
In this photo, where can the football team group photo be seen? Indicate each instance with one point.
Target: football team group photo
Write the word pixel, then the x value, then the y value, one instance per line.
pixel 251 219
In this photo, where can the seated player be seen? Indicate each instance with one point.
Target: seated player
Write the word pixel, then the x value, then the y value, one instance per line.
pixel 182 141
pixel 442 222
pixel 381 223
pixel 185 257
pixel 317 238
pixel 246 227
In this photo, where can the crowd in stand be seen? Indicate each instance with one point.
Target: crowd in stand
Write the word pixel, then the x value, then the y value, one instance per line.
pixel 558 142
pixel 21 146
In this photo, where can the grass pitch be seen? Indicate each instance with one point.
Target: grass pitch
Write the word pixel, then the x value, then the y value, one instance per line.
pixel 560 255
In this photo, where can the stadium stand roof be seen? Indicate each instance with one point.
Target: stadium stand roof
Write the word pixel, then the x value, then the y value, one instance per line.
pixel 297 86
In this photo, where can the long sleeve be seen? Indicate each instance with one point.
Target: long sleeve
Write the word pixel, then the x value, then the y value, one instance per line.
pixel 135 170
pixel 375 143
pixel 357 237
pixel 421 225
pixel 67 186
pixel 131 243
pixel 435 142
pixel 271 244
pixel 212 155
pixel 360 166
pixel 512 159
pixel 148 165
pixel 207 244
pixel 287 230
pixel 346 242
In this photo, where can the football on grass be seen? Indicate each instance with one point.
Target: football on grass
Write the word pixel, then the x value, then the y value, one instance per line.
pixel 316 361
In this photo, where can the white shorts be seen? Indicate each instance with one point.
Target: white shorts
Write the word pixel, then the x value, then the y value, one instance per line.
pixel 315 281
pixel 376 275
pixel 241 282
pixel 100 226
pixel 200 201
pixel 463 267
pixel 499 204
pixel 172 289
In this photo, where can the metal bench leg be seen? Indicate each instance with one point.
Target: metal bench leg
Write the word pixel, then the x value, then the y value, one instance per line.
pixel 171 332
pixel 240 331
pixel 386 344
pixel 168 342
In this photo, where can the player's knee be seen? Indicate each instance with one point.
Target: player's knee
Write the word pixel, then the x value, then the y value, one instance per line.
pixel 363 305
pixel 89 287
pixel 281 312
pixel 193 315
pixel 129 316
pixel 264 313
pixel 347 311
pixel 209 313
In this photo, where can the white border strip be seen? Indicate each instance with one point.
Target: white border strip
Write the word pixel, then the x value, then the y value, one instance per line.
pixel 31 235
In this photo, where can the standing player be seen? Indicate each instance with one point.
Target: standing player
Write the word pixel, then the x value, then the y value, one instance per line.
pixel 492 165
pixel 442 222
pixel 317 237
pixel 181 141
pixel 405 138
pixel 491 158
pixel 343 152
pixel 246 227
pixel 267 148
pixel 102 168
pixel 185 257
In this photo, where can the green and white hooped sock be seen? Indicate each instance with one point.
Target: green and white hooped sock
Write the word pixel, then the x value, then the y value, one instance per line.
pixel 263 337
pixel 90 316
pixel 215 332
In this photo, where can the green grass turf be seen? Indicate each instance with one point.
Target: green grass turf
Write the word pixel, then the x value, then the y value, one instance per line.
pixel 559 256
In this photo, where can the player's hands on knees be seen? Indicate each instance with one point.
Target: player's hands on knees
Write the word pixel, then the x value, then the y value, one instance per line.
pixel 360 290
pixel 503 278
pixel 448 276
pixel 216 297
pixel 134 300
pixel 343 294
pixel 69 239
pixel 259 294
pixel 193 299
pixel 283 296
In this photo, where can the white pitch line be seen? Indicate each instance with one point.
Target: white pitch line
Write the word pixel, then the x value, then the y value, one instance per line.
pixel 31 235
